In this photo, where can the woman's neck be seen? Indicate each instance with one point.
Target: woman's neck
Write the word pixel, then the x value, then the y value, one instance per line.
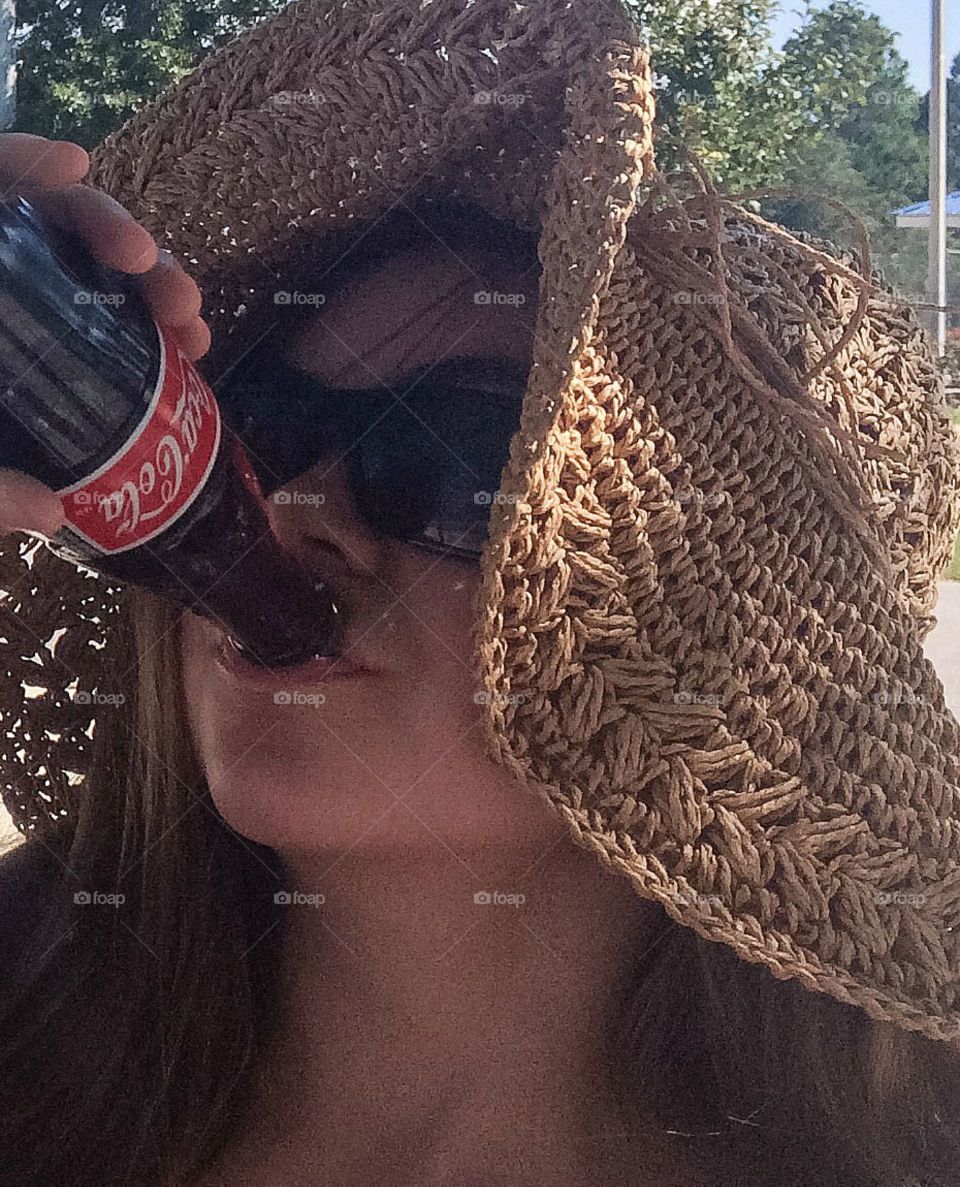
pixel 458 1035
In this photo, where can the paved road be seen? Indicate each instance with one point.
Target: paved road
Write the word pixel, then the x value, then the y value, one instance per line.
pixel 943 649
pixel 943 643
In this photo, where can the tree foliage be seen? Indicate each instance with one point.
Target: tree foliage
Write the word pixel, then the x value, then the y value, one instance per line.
pixel 713 64
pixel 833 111
pixel 953 123
pixel 87 65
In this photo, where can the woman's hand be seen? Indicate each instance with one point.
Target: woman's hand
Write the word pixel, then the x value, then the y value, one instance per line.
pixel 47 173
pixel 28 505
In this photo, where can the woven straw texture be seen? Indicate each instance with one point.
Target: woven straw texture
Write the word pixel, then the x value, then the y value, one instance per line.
pixel 695 647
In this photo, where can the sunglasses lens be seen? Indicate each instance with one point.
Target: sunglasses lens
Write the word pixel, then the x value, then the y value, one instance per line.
pixel 284 420
pixel 427 471
pixel 423 469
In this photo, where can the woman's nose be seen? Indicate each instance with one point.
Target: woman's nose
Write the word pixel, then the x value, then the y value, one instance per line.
pixel 315 518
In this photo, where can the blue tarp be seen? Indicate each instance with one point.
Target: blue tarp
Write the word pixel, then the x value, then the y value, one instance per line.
pixel 922 209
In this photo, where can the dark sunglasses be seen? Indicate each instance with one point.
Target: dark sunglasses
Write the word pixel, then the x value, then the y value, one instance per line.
pixel 423 461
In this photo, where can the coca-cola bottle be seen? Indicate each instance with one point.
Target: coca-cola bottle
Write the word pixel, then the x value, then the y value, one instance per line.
pixel 98 402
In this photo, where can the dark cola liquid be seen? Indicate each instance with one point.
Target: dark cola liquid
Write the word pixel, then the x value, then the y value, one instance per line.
pixel 97 402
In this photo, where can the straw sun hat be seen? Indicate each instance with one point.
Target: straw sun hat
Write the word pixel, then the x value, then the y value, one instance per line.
pixel 733 488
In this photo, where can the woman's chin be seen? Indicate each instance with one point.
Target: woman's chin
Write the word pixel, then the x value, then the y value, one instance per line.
pixel 282 795
pixel 299 799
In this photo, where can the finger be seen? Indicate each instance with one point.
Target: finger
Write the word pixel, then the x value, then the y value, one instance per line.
pixel 111 232
pixel 28 161
pixel 28 505
pixel 172 295
pixel 193 338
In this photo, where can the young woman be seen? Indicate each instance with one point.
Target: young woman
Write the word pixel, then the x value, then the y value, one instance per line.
pixel 353 949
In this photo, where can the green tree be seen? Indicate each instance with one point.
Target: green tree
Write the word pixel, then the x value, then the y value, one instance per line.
pixel 838 94
pixel 833 108
pixel 852 85
pixel 863 140
pixel 713 62
pixel 834 58
pixel 953 124
pixel 85 66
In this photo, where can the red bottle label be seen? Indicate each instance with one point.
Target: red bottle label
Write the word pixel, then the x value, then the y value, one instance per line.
pixel 161 468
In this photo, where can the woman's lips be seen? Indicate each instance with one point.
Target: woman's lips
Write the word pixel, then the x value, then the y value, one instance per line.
pixel 320 670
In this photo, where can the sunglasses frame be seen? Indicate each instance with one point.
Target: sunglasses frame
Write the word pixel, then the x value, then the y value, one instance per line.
pixel 298 394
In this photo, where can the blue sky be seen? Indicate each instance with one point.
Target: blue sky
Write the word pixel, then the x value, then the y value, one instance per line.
pixel 910 19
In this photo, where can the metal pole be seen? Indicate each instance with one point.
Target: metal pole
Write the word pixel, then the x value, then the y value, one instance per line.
pixel 937 238
pixel 8 64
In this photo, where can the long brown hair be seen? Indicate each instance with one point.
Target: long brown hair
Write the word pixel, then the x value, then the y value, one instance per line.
pixel 131 1036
